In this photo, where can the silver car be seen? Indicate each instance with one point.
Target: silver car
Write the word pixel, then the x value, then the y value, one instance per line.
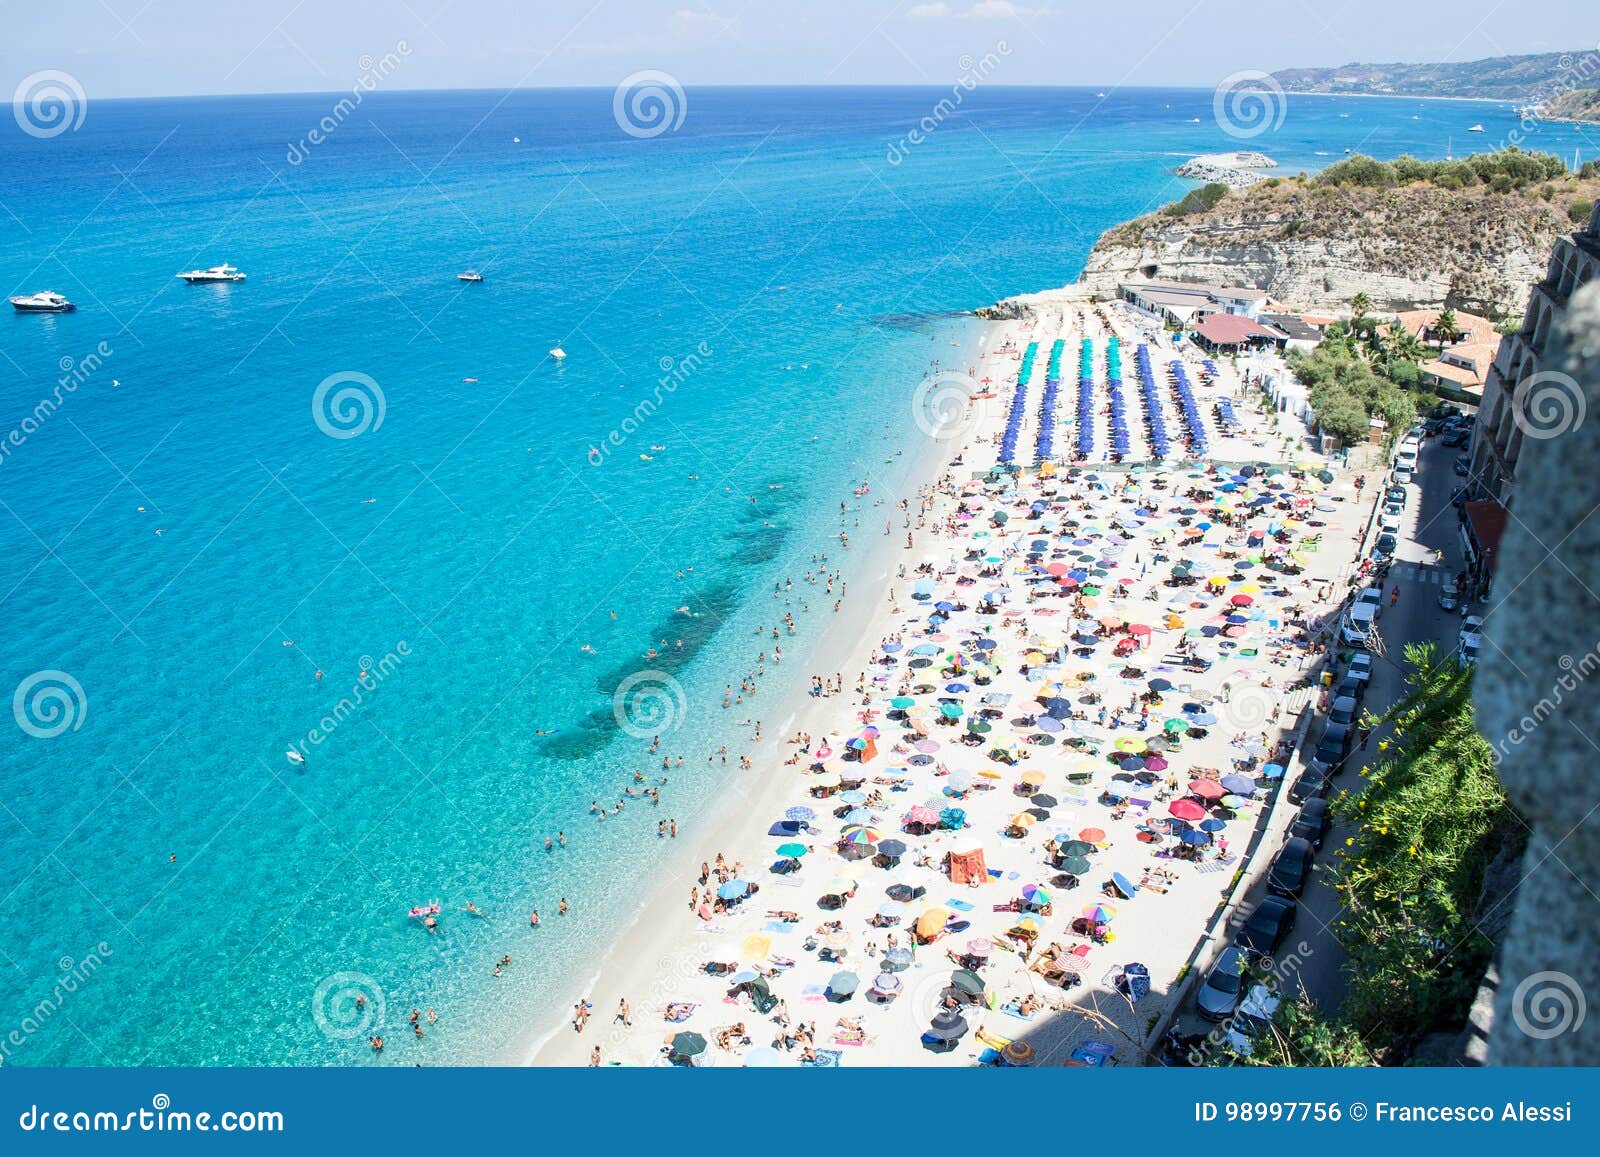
pixel 1224 984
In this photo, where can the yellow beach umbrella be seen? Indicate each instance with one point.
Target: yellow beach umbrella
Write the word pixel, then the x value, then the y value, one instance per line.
pixel 932 922
pixel 1033 778
pixel 1022 820
pixel 756 946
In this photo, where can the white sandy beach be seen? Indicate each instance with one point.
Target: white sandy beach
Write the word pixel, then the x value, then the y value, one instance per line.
pixel 661 959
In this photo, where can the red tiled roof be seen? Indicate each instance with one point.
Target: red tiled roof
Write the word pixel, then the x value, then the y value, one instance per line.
pixel 1231 329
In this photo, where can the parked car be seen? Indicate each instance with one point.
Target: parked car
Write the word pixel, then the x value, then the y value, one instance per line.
pixel 1372 597
pixel 1331 749
pixel 1385 546
pixel 1348 688
pixel 1432 426
pixel 1291 869
pixel 1393 510
pixel 1312 784
pixel 1254 1017
pixel 1389 523
pixel 1403 474
pixel 1396 494
pixel 1472 625
pixel 1268 925
pixel 1461 467
pixel 1456 437
pixel 1359 668
pixel 1343 712
pixel 1220 991
pixel 1467 650
pixel 1312 822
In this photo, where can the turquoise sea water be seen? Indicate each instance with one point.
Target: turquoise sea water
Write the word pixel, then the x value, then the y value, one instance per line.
pixel 763 272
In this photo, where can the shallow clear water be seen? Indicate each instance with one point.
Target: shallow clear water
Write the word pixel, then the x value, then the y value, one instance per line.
pixel 764 275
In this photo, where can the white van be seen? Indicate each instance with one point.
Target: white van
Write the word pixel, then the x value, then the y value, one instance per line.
pixel 1407 454
pixel 1358 625
pixel 1371 597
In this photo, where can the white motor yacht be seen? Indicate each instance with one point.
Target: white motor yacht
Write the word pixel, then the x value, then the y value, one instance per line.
pixel 48 301
pixel 215 273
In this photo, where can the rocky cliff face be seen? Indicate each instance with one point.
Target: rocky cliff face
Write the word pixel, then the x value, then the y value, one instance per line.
pixel 1316 246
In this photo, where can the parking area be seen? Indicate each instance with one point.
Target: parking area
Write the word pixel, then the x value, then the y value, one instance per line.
pixel 1411 607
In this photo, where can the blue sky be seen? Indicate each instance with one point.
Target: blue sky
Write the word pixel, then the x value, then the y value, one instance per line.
pixel 172 47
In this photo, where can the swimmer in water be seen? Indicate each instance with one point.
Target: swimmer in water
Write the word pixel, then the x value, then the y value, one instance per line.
pixel 588 650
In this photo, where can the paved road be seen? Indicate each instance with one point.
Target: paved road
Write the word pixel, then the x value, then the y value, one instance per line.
pixel 1430 524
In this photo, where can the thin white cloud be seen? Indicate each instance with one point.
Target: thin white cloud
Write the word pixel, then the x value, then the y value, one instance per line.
pixel 1001 10
pixel 982 10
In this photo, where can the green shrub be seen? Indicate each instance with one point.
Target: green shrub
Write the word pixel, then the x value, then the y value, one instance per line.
pixel 1197 200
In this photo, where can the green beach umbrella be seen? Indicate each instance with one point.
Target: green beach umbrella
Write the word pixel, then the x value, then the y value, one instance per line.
pixel 901 702
pixel 688 1044
pixel 792 851
pixel 1176 726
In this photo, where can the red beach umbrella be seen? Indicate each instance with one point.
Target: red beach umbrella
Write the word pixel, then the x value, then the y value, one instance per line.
pixel 1186 809
pixel 1207 789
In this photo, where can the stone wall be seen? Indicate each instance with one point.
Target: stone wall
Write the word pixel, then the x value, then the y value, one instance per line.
pixel 1538 699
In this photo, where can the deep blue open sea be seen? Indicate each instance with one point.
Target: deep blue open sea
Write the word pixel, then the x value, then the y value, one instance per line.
pixel 185 545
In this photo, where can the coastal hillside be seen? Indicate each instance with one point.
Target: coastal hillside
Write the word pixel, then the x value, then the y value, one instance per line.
pixel 1581 104
pixel 1472 234
pixel 1519 78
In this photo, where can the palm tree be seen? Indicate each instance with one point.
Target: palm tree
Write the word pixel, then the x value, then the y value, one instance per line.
pixel 1445 328
pixel 1360 306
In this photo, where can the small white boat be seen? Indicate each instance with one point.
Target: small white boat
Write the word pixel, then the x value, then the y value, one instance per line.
pixel 558 353
pixel 295 757
pixel 215 273
pixel 47 301
pixel 1475 129
pixel 470 275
